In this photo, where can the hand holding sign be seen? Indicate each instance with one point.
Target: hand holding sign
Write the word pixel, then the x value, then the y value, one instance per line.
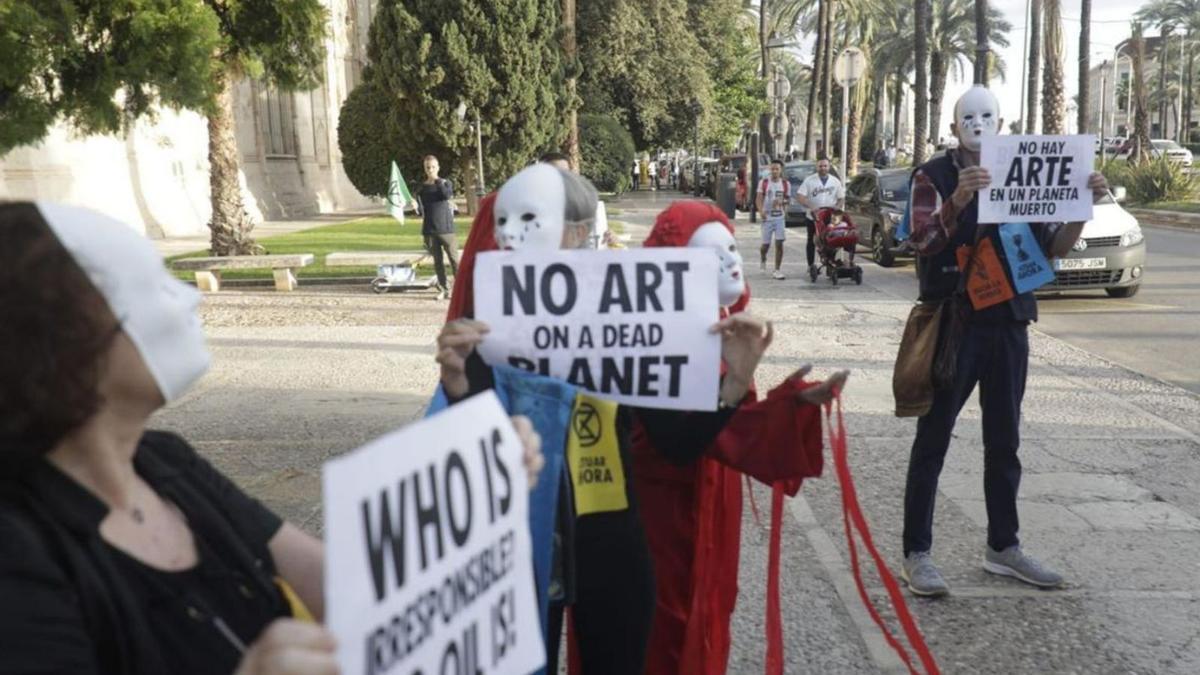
pixel 290 646
pixel 455 343
pixel 971 180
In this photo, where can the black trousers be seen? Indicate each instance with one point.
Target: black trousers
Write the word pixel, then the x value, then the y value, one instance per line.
pixel 614 595
pixel 437 244
pixel 996 357
pixel 810 246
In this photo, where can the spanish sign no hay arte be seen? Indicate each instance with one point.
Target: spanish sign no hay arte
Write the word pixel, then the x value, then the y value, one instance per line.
pixel 1037 179
pixel 428 565
pixel 630 326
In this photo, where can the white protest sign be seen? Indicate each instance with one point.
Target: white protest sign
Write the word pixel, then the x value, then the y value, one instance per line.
pixel 1037 179
pixel 631 326
pixel 428 562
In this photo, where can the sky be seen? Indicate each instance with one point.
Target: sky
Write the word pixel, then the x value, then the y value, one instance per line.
pixel 1110 25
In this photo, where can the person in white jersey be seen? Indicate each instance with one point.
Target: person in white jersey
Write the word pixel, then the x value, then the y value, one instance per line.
pixel 819 191
pixel 773 195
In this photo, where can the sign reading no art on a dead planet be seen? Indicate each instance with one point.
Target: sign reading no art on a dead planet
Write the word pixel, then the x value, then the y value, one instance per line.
pixel 1037 179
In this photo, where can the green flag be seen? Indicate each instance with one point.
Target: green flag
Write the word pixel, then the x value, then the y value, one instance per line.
pixel 398 196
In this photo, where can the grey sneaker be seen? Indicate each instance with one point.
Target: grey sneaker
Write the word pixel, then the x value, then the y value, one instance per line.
pixel 922 576
pixel 1012 562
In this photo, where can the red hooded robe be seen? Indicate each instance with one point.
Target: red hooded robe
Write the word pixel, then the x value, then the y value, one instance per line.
pixel 693 513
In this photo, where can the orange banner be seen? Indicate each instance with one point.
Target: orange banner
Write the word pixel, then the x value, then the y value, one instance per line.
pixel 988 284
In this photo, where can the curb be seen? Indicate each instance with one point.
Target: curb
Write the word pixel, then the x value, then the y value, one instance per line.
pixel 1178 219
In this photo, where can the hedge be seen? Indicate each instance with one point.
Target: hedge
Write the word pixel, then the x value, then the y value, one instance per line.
pixel 607 149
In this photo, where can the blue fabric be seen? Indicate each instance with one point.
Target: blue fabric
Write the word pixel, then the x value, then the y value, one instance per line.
pixel 547 403
pixel 904 227
pixel 1027 265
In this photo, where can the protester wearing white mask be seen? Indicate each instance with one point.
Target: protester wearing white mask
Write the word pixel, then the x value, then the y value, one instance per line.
pixel 121 549
pixel 993 351
pixel 610 583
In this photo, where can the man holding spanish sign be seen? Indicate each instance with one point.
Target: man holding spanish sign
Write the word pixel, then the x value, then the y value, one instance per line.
pixel 980 278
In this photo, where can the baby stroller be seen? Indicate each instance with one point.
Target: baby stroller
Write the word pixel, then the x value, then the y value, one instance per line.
pixel 837 239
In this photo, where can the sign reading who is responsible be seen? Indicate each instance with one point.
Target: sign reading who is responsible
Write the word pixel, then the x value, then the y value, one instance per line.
pixel 1037 179
pixel 629 326
pixel 428 561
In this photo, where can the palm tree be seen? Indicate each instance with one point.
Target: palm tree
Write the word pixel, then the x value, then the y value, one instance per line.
pixel 818 75
pixel 921 114
pixel 827 74
pixel 952 42
pixel 1186 15
pixel 1052 85
pixel 982 49
pixel 1085 48
pixel 1141 120
pixel 1035 47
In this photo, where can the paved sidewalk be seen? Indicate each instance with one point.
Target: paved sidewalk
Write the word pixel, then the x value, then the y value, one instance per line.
pixel 1112 463
pixel 171 246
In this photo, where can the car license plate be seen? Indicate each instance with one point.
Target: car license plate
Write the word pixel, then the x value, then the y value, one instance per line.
pixel 1080 263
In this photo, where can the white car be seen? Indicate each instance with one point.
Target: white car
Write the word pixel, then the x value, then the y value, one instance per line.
pixel 1163 147
pixel 1110 254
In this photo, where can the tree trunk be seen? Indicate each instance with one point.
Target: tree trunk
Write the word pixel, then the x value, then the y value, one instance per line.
pixel 878 86
pixel 1164 54
pixel 1141 117
pixel 230 224
pixel 921 95
pixel 1188 92
pixel 818 76
pixel 1035 65
pixel 1085 50
pixel 470 177
pixel 939 70
pixel 982 50
pixel 854 132
pixel 827 78
pixel 1052 86
pixel 897 108
pixel 571 52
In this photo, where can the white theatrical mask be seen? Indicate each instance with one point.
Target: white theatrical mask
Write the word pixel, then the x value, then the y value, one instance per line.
pixel 731 281
pixel 156 310
pixel 530 209
pixel 976 114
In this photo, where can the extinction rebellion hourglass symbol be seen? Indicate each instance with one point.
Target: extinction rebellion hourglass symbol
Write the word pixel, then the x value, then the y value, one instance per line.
pixel 1021 254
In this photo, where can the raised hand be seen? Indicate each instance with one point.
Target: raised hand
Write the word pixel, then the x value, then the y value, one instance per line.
pixel 1098 184
pixel 454 344
pixel 744 340
pixel 970 180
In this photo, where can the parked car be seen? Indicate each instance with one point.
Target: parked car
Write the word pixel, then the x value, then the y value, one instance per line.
pixel 875 201
pixel 707 177
pixel 795 172
pixel 737 163
pixel 1110 254
pixel 1114 145
pixel 1163 147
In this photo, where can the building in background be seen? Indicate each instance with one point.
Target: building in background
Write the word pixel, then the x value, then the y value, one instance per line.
pixel 156 176
pixel 1118 118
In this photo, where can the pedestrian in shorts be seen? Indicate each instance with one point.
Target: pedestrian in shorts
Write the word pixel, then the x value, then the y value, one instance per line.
pixel 773 195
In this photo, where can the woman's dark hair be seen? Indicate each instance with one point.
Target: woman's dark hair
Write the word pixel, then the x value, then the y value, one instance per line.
pixel 53 336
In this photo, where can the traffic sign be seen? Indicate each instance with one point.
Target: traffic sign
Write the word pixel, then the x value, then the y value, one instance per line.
pixel 850 66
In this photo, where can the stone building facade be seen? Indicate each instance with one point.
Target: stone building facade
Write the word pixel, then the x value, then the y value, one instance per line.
pixel 156 176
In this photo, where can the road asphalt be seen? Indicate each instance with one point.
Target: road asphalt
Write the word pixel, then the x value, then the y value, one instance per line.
pixel 1111 452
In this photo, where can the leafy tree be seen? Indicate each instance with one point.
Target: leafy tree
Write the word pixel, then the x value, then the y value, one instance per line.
pixel 639 61
pixel 607 150
pixel 728 47
pixel 952 44
pixel 501 58
pixel 99 66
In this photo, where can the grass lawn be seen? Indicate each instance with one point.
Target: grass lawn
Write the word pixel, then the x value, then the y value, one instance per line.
pixel 367 234
pixel 1186 207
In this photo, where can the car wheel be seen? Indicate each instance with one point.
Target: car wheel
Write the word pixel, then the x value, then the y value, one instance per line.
pixel 879 249
pixel 1123 291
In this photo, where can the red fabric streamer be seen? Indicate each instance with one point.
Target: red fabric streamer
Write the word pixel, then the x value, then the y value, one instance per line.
pixel 480 239
pixel 852 518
